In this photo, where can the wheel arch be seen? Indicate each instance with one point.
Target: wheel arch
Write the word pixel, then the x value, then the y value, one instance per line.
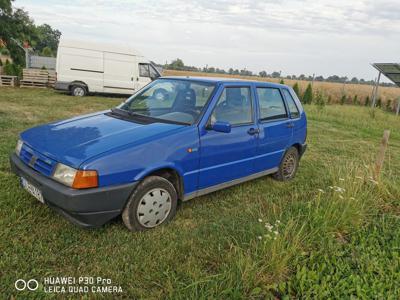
pixel 79 83
pixel 169 173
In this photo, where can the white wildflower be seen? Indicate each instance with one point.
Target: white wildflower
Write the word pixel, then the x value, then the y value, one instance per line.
pixel 260 220
pixel 341 179
pixel 274 238
pixel 321 191
pixel 259 237
pixel 331 187
pixel 278 222
pixel 276 232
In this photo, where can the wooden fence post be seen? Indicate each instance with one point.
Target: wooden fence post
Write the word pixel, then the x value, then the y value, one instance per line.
pixel 381 154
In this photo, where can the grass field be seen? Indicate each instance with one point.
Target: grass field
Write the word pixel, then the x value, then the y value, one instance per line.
pixel 329 89
pixel 330 233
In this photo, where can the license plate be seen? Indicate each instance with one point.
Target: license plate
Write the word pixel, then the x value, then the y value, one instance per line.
pixel 33 190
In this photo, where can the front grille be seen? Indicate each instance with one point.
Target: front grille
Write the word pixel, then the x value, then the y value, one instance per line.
pixel 37 161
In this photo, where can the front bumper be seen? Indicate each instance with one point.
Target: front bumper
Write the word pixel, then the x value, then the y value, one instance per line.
pixel 87 208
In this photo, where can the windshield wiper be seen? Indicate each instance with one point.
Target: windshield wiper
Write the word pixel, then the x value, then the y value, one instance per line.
pixel 128 114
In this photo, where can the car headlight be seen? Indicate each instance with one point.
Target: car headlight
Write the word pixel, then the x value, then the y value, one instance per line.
pixel 64 174
pixel 77 179
pixel 18 147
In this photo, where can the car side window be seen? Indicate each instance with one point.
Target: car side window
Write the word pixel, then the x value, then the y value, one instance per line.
pixel 144 70
pixel 234 106
pixel 271 104
pixel 294 111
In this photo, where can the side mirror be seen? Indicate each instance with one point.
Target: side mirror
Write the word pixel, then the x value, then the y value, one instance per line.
pixel 221 127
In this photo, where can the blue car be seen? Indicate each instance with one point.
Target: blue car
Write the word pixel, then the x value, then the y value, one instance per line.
pixel 177 138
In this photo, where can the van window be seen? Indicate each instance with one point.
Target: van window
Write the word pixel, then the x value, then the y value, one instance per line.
pixel 294 111
pixel 144 70
pixel 234 106
pixel 271 104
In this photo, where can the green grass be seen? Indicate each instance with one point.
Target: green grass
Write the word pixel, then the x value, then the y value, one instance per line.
pixel 327 244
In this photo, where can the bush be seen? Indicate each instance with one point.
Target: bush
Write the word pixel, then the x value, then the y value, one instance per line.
pixel 296 89
pixel 320 100
pixel 355 100
pixel 343 100
pixel 389 105
pixel 308 95
pixel 379 103
pixel 46 51
pixel 5 51
pixel 282 81
pixel 366 103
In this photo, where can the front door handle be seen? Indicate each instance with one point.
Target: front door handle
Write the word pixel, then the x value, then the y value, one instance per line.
pixel 253 131
pixel 289 125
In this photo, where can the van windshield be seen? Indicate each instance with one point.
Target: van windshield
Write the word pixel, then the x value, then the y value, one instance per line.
pixel 172 100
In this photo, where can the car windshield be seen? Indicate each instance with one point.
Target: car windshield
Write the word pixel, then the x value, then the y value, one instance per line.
pixel 171 100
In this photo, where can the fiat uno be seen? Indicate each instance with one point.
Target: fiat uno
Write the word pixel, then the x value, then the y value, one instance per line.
pixel 176 139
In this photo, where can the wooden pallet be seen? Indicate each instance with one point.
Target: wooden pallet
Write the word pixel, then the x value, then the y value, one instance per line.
pixel 38 78
pixel 8 80
pixel 33 84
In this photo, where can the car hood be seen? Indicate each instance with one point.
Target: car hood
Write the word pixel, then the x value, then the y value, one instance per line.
pixel 75 140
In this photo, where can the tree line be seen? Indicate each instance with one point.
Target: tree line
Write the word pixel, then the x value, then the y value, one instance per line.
pixel 177 64
pixel 18 29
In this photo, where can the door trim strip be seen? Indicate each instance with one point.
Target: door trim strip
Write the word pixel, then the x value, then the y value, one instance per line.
pixel 223 185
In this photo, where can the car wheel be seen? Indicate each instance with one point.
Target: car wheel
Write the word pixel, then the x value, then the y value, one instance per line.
pixel 151 204
pixel 78 91
pixel 289 165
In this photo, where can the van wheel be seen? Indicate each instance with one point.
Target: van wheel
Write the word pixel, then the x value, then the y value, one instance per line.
pixel 289 165
pixel 151 204
pixel 78 91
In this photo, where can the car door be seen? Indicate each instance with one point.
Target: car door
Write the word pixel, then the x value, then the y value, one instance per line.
pixel 275 128
pixel 228 156
pixel 299 124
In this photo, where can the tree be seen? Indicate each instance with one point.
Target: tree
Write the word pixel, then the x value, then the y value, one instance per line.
pixel 47 38
pixel 296 89
pixel 282 81
pixel 275 74
pixel 263 74
pixel 308 95
pixel 15 24
pixel 176 64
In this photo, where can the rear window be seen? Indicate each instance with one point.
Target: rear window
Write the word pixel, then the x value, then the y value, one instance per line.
pixel 294 111
pixel 271 104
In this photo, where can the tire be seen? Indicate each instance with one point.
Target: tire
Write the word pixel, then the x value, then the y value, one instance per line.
pixel 288 166
pixel 151 204
pixel 78 91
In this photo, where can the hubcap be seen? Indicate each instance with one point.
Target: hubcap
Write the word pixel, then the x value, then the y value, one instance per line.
pixel 79 92
pixel 289 165
pixel 154 208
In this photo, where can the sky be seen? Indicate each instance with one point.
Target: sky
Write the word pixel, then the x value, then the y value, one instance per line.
pixel 341 37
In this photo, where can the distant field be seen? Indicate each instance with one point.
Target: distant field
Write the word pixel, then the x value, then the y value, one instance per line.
pixel 335 90
pixel 335 233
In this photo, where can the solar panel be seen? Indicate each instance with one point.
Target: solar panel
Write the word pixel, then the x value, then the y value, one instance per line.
pixel 390 70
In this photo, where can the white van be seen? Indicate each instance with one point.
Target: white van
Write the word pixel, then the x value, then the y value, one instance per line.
pixel 86 67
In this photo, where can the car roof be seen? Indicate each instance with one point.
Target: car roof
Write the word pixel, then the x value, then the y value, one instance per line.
pixel 225 80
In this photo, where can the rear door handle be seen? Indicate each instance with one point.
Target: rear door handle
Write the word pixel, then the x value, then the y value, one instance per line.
pixel 289 125
pixel 253 131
